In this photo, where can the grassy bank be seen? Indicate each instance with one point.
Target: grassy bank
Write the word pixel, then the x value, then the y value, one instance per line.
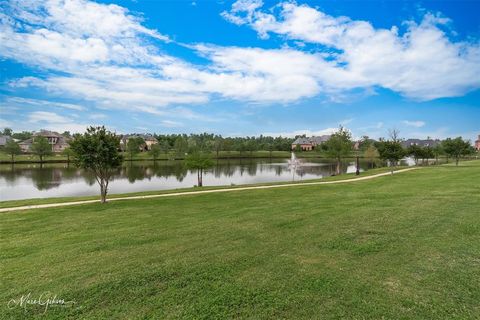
pixel 398 247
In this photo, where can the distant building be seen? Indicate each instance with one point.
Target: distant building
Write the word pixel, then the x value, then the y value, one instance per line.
pixel 148 138
pixel 4 140
pixel 311 143
pixel 56 140
pixel 421 143
pixel 477 143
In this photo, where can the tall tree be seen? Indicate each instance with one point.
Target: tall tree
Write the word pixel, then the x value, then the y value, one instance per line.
pixel 134 144
pixel 217 145
pixel 198 161
pixel 180 146
pixel 12 148
pixel 97 150
pixel 155 151
pixel 456 148
pixel 7 132
pixel 338 146
pixel 41 147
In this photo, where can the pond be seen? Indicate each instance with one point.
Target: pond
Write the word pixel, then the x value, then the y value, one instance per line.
pixel 24 181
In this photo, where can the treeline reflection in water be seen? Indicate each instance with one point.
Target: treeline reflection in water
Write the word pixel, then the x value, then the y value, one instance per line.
pixel 23 181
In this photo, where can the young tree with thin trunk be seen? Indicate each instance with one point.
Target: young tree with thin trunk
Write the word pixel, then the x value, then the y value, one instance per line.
pixel 198 161
pixel 68 153
pixel 456 148
pixel 391 150
pixel 97 150
pixel 414 151
pixel 338 146
pixel 12 148
pixel 371 154
pixel 41 147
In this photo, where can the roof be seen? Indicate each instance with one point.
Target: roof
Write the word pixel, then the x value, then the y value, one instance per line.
pixel 420 142
pixel 312 140
pixel 320 139
pixel 146 137
pixel 302 140
pixel 47 133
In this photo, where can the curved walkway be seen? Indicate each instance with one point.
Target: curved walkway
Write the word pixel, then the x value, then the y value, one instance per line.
pixel 62 204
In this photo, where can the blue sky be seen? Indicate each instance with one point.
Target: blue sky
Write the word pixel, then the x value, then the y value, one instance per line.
pixel 242 68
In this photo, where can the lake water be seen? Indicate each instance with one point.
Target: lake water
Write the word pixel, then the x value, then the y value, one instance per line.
pixel 24 181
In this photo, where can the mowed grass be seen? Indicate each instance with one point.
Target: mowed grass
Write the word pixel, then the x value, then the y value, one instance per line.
pixel 405 246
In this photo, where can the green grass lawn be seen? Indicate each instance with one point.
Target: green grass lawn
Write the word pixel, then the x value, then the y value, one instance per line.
pixel 405 246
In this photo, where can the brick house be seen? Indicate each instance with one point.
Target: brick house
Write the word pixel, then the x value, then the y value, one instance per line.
pixel 308 144
pixel 477 143
pixel 56 140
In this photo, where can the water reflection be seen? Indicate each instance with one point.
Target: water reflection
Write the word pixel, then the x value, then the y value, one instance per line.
pixel 57 180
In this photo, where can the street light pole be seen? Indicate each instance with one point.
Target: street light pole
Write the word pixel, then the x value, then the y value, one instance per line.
pixel 357 172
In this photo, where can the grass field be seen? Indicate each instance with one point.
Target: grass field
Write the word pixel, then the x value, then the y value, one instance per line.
pixel 405 246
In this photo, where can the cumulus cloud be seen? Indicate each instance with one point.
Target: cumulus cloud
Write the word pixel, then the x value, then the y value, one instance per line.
pixel 423 63
pixel 103 55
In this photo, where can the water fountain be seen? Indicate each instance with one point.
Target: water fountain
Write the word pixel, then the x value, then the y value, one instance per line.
pixel 293 162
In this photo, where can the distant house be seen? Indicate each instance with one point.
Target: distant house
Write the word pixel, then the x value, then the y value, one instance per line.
pixel 148 138
pixel 477 143
pixel 56 140
pixel 4 140
pixel 421 143
pixel 311 143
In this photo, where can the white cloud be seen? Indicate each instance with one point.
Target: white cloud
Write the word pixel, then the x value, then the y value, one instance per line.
pixel 43 103
pixel 102 54
pixel 416 124
pixel 422 63
pixel 171 124
pixel 53 121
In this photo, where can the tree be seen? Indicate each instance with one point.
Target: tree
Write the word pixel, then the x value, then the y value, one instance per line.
pixel 7 132
pixel 391 150
pixel 155 151
pixel 24 135
pixel 427 153
pixel 12 148
pixel 180 146
pixel 270 147
pixel 371 154
pixel 217 145
pixel 415 151
pixel 97 150
pixel 165 147
pixel 456 148
pixel 437 151
pixel 338 146
pixel 133 146
pixel 41 147
pixel 198 161
pixel 68 153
